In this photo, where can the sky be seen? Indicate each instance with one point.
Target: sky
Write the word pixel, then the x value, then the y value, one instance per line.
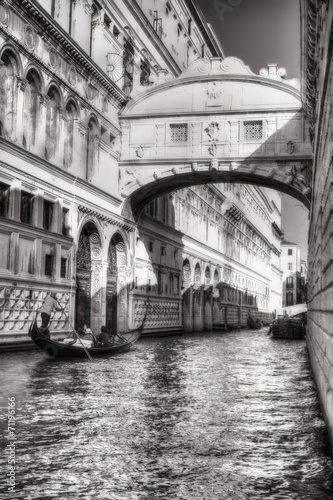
pixel 260 32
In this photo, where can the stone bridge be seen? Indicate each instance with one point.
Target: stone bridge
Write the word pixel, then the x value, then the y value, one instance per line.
pixel 216 122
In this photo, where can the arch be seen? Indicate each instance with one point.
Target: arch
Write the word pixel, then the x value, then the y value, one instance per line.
pixel 38 74
pixel 221 123
pixel 186 274
pixel 89 277
pixel 31 107
pixel 207 276
pixel 10 70
pixel 116 288
pixel 197 274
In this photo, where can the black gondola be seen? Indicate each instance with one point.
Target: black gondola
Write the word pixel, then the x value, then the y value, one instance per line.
pixel 255 324
pixel 56 349
pixel 288 328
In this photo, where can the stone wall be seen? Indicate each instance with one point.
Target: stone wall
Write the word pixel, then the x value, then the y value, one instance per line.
pixel 318 97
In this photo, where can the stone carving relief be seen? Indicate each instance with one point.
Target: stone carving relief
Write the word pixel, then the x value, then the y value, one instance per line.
pixel 30 38
pixel 4 14
pixel 160 313
pixel 20 305
pixel 83 257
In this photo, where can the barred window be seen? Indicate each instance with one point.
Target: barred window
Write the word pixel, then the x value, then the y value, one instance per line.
pixel 179 132
pixel 252 130
pixel 48 265
pixel 63 268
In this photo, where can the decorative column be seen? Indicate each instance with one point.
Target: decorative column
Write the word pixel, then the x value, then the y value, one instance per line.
pixel 208 316
pixel 80 152
pixel 198 320
pixel 41 125
pixel 59 156
pixel 234 137
pixel 97 269
pixel 21 84
pixel 188 310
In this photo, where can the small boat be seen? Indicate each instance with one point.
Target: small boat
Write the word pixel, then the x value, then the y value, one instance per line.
pixel 255 324
pixel 287 328
pixel 76 348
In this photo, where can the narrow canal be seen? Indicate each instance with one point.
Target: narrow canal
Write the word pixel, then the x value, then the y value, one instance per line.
pixel 211 416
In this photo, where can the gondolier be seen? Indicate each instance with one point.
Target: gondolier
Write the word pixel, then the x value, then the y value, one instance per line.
pixel 50 303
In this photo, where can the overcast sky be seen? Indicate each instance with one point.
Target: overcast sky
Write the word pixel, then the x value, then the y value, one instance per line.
pixel 260 32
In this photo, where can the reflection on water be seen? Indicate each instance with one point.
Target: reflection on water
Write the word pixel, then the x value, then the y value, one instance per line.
pixel 230 416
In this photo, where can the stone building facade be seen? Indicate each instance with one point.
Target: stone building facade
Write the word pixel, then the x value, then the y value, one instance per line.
pixel 67 69
pixel 317 85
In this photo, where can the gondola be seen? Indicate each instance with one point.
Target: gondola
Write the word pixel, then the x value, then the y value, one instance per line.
pixel 254 324
pixel 287 328
pixel 56 349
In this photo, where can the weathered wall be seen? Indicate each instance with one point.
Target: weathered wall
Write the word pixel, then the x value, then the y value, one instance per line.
pixel 317 94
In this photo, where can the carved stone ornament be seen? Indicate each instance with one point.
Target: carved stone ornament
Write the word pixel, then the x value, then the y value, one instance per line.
pixel 29 37
pixel 140 152
pixel 290 147
pixel 91 92
pixel 4 14
pixel 53 58
pixel 214 91
pixel 213 131
pixel 213 149
pixel 72 76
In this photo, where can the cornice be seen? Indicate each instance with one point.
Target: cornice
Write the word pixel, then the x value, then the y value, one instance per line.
pixel 62 39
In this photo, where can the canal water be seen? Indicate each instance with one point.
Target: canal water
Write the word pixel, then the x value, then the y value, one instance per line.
pixel 209 416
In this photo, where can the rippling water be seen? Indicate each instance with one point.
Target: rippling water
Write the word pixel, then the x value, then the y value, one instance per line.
pixel 211 416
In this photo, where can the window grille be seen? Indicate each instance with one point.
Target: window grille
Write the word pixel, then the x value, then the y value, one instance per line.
pixel 48 265
pixel 63 267
pixel 26 207
pixel 179 132
pixel 128 62
pixel 4 199
pixel 253 130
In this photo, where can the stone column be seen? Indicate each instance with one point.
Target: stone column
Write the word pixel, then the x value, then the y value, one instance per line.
pixel 188 310
pixel 59 156
pixel 198 320
pixel 41 125
pixel 21 84
pixel 208 311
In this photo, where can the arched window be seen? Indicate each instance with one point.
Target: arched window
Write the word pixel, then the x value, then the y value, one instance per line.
pixel 92 134
pixel 8 73
pixel 69 135
pixel 31 109
pixel 52 123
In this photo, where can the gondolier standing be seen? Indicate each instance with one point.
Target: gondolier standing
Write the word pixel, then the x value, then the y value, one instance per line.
pixel 50 303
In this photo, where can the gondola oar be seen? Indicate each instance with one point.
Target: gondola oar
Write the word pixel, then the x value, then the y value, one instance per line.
pixel 79 338
pixel 87 353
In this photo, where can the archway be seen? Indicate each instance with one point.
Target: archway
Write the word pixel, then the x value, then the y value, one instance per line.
pixel 89 278
pixel 218 122
pixel 116 289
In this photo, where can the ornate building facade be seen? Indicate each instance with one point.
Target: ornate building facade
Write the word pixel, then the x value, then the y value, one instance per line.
pixel 203 255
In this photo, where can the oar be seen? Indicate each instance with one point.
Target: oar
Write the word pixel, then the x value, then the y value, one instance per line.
pixel 87 353
pixel 79 338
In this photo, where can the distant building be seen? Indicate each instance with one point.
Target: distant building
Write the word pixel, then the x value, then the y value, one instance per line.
pixel 294 274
